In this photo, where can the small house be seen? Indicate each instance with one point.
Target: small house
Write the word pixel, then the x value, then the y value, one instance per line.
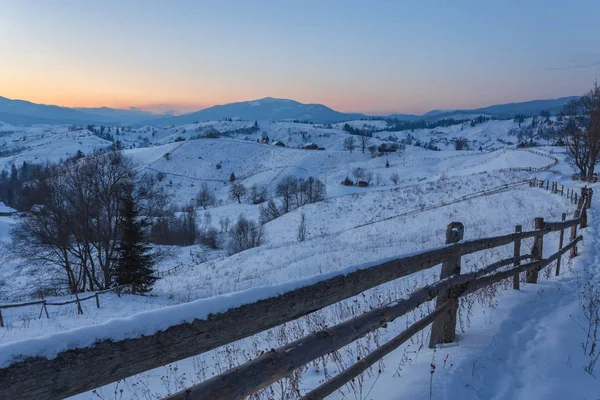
pixel 278 143
pixel 6 211
pixel 363 184
pixel 310 146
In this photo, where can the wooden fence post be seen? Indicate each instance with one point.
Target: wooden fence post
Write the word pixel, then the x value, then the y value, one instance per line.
pixel 560 245
pixel 573 234
pixel 1 319
pixel 79 309
pixel 590 193
pixel 443 329
pixel 581 202
pixel 517 254
pixel 547 185
pixel 562 190
pixel 536 252
pixel 97 301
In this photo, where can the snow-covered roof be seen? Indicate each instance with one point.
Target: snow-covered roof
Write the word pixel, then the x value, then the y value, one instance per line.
pixel 4 209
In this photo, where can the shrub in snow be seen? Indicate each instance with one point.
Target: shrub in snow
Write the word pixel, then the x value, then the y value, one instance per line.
pixel 244 235
pixel 269 212
pixel 258 194
pixel 210 237
pixel 205 198
pixel 302 229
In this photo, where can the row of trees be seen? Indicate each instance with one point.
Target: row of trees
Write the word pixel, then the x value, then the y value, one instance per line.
pixel 90 232
pixel 293 192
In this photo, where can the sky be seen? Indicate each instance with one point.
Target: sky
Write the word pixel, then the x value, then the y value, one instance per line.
pixel 374 56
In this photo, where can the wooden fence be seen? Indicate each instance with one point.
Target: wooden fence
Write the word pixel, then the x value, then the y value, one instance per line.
pixel 556 188
pixel 45 303
pixel 79 370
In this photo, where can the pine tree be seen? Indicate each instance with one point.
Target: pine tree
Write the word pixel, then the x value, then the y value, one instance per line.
pixel 135 264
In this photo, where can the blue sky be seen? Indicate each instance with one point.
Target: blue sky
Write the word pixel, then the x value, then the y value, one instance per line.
pixel 370 56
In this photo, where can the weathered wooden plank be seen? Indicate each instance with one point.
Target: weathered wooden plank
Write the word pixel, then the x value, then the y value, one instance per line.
pixel 517 254
pixel 559 226
pixel 269 368
pixel 538 265
pixel 560 245
pixel 31 303
pixel 573 234
pixel 531 276
pixel 443 329
pixel 76 371
pixel 364 363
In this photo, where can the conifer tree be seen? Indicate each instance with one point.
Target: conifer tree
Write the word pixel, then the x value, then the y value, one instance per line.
pixel 135 263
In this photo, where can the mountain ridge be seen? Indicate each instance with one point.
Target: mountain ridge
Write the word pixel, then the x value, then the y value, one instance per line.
pixel 22 112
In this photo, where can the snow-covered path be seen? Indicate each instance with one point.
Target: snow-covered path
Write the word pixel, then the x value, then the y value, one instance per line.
pixel 528 347
pixel 535 351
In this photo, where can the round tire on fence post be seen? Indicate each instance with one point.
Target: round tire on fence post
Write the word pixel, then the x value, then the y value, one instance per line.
pixel 443 328
pixel 531 275
pixel 517 254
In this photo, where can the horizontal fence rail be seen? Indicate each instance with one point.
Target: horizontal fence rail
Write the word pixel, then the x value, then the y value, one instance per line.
pixel 78 370
pixel 77 300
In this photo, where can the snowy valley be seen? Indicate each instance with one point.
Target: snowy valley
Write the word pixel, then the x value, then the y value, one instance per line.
pixel 411 194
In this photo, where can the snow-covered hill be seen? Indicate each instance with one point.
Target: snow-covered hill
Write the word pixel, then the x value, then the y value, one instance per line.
pixel 351 225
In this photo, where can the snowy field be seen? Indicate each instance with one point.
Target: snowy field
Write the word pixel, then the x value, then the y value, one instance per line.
pixel 506 343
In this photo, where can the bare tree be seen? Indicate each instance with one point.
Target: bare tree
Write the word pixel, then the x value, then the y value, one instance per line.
pixel 244 235
pixel 350 143
pixel 364 142
pixel 237 191
pixel 582 132
pixel 76 234
pixel 310 191
pixel 205 198
pixel 269 212
pixel 395 178
pixel 224 223
pixel 287 189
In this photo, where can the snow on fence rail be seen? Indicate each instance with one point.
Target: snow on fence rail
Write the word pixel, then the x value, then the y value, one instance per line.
pixel 72 362
pixel 45 303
